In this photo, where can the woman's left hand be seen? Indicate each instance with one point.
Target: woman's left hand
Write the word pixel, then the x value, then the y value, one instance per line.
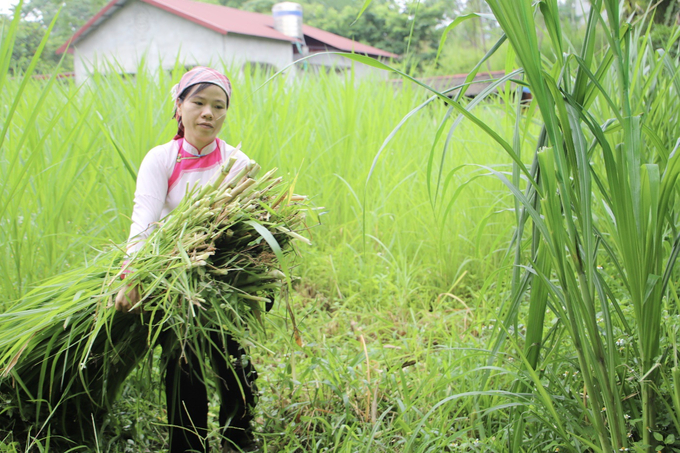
pixel 127 298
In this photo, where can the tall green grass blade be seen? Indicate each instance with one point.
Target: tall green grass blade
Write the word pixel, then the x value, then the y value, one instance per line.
pixel 26 76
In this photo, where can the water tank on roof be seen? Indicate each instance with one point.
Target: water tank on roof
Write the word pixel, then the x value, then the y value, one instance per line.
pixel 288 19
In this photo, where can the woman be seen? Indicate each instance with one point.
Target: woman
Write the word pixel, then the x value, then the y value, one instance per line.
pixel 194 157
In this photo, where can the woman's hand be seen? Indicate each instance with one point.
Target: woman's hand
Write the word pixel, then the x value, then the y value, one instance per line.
pixel 127 298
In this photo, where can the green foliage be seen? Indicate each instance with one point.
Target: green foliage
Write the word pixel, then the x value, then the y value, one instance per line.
pixel 395 321
pixel 66 194
pixel 411 29
pixel 202 274
pixel 36 17
pixel 76 195
pixel 600 193
pixel 603 145
pixel 28 39
pixel 457 58
pixel 386 24
pixel 665 11
pixel 662 38
pixel 412 33
pixel 72 14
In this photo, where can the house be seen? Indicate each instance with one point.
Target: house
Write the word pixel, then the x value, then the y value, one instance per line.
pixel 445 82
pixel 163 32
pixel 481 81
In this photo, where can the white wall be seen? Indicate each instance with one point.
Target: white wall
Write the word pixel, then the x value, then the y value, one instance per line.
pixel 139 30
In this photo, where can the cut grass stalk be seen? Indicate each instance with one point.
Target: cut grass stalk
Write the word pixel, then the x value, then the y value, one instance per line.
pixel 68 369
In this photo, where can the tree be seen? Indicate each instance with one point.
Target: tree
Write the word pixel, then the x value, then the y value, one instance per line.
pixel 386 24
pixel 27 41
pixel 665 17
pixel 36 17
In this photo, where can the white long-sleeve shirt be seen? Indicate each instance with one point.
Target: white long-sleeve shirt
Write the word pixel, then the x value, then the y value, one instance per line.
pixel 167 173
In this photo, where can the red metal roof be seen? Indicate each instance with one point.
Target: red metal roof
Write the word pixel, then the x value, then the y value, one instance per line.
pixel 224 20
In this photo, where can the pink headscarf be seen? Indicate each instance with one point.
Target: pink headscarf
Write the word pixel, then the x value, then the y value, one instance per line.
pixel 198 75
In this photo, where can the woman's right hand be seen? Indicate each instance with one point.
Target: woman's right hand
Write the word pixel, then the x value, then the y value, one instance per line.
pixel 127 298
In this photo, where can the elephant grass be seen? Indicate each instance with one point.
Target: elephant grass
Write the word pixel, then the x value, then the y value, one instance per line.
pixel 599 198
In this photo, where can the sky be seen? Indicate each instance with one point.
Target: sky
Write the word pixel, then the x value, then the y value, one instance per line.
pixel 6 4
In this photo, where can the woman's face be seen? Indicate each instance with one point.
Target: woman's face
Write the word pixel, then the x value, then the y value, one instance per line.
pixel 203 115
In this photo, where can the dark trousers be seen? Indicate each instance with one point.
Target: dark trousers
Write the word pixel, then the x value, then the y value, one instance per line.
pixel 187 395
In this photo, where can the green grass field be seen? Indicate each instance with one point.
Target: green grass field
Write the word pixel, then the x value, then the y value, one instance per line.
pixel 393 296
pixel 516 292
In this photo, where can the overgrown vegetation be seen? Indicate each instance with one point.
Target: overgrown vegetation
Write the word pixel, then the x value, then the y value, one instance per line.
pixel 410 29
pixel 596 240
pixel 67 193
pixel 439 311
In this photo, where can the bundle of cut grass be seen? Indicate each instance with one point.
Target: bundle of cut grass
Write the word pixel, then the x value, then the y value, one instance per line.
pixel 204 271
